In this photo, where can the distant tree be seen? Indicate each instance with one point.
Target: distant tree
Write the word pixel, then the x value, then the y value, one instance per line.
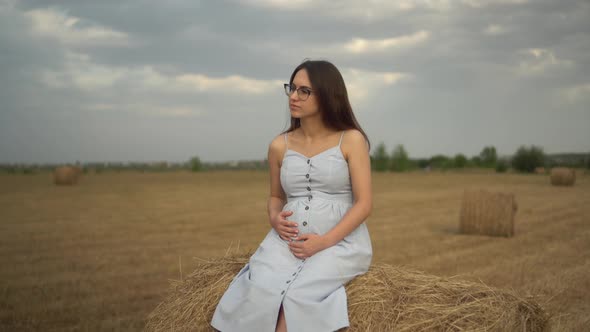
pixel 440 161
pixel 588 161
pixel 475 161
pixel 488 156
pixel 380 159
pixel 501 166
pixel 551 162
pixel 28 170
pixel 527 159
pixel 422 162
pixel 400 162
pixel 195 164
pixel 460 161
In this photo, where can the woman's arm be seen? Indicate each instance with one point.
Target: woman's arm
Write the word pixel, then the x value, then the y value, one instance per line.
pixel 277 198
pixel 359 166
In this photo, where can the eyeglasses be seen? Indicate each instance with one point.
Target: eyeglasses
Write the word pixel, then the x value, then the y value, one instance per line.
pixel 302 92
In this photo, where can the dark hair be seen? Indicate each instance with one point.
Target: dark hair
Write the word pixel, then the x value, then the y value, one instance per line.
pixel 328 85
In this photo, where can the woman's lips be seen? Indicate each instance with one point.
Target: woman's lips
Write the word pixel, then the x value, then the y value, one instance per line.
pixel 293 106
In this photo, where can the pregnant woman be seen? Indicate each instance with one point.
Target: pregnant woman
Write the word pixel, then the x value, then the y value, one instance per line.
pixel 320 197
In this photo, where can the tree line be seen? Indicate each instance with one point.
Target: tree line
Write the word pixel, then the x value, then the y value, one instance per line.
pixel 525 159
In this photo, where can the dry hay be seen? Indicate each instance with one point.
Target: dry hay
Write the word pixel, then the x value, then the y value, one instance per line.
pixel 540 170
pixel 387 298
pixel 487 213
pixel 66 175
pixel 562 176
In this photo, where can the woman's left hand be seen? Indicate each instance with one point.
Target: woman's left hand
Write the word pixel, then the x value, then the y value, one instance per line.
pixel 311 244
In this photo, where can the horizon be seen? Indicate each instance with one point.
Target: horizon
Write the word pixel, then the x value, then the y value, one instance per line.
pixel 127 162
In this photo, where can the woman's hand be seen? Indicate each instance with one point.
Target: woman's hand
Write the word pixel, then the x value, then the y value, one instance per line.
pixel 286 229
pixel 311 244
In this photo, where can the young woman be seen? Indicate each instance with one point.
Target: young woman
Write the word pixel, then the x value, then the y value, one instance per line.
pixel 320 196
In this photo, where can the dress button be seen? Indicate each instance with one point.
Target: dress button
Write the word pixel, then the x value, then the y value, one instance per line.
pixel 288 281
pixel 308 161
pixel 308 188
pixel 307 207
pixel 283 292
pixel 310 197
pixel 305 223
pixel 307 175
pixel 294 273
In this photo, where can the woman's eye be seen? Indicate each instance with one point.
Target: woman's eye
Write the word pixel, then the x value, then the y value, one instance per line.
pixel 306 91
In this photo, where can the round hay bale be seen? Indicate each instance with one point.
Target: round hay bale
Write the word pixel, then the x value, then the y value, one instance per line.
pixel 487 213
pixel 66 175
pixel 562 176
pixel 386 298
pixel 540 170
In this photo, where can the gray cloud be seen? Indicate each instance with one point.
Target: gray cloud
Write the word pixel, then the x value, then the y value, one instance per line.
pixel 141 80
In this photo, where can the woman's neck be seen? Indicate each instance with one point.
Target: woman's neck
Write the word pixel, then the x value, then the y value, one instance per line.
pixel 313 129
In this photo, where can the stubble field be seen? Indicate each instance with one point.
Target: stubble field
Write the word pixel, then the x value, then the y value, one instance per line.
pixel 99 255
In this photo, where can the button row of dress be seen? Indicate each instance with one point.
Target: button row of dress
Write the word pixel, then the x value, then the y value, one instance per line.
pixel 307 176
pixel 294 275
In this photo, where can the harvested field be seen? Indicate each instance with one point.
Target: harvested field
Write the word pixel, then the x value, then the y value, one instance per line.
pixel 99 255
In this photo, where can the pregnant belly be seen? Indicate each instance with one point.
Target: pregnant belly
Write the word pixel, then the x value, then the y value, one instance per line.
pixel 316 216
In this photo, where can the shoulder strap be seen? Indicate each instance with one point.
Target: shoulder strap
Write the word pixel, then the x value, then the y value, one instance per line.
pixel 341 135
pixel 286 142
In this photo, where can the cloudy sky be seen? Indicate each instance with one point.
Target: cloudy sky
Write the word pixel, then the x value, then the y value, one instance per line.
pixel 139 80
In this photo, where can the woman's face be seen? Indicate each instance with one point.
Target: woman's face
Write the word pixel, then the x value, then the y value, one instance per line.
pixel 303 108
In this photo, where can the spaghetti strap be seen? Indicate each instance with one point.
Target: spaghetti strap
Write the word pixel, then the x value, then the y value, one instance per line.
pixel 342 135
pixel 286 142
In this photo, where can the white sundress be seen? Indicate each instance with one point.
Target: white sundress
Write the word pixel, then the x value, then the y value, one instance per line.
pixel 311 290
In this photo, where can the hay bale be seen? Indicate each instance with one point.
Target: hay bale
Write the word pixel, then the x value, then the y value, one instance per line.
pixel 562 176
pixel 487 213
pixel 540 170
pixel 386 298
pixel 66 175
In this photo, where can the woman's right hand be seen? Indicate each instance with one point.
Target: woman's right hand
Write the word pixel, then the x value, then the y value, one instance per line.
pixel 286 229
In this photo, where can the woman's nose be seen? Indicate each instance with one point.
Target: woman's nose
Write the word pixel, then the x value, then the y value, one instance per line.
pixel 294 95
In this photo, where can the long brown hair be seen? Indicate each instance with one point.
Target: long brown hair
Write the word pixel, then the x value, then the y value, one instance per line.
pixel 329 87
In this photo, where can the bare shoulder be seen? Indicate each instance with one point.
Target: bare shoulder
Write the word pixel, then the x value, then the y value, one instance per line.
pixel 276 148
pixel 353 142
pixel 353 136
